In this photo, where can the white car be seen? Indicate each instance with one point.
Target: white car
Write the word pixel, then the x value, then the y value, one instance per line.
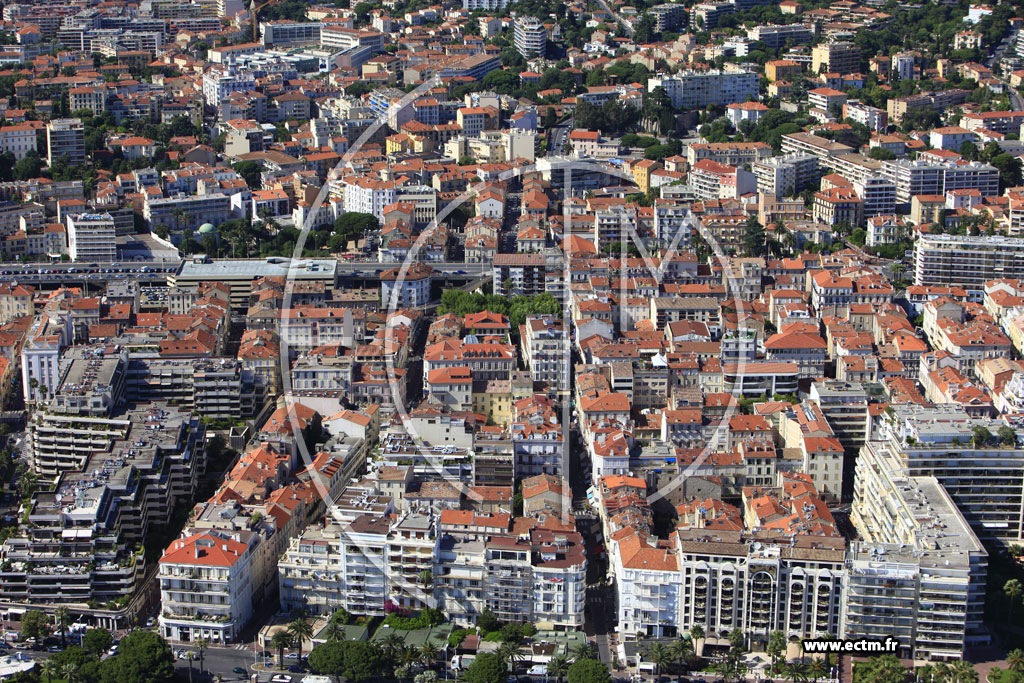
pixel 292 655
pixel 538 670
pixel 281 678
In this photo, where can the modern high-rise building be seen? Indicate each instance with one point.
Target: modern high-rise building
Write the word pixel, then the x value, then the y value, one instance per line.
pixel 65 138
pixel 92 237
pixel 841 58
pixel 531 38
pixel 966 261
pixel 696 89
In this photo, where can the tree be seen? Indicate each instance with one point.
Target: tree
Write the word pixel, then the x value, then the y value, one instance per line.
pixel 279 641
pixel 63 618
pixel 1015 660
pixel 141 656
pixel 696 633
pixel 753 237
pixel 558 666
pixel 588 671
pixel 1013 590
pixel 797 672
pixel 352 225
pixel 201 645
pixel 886 669
pixel 301 630
pixel 969 151
pixel 660 655
pixel 486 621
pixel 737 640
pixel 963 672
pixel 34 625
pixel 97 641
pixel 487 668
pixel 69 671
pixel 31 166
pixel 426 577
pixel 585 650
pixel 817 669
pixel 251 173
pixel 334 630
pixel 981 436
pixel 509 652
pixel 49 668
pixel 428 654
pixel 328 659
pixel 1007 435
pixel 881 154
pixel 776 648
pixel 190 656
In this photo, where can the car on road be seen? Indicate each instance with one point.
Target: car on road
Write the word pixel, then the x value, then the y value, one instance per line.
pixel 292 655
pixel 281 678
pixel 295 669
pixel 239 670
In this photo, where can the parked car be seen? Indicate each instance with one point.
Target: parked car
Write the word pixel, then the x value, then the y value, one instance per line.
pixel 239 670
pixel 281 678
pixel 538 670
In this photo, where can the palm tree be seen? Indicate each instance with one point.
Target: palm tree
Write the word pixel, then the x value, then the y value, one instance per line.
pixel 334 630
pixel 428 654
pixel 660 655
pixel 696 634
pixel 1013 589
pixel 190 656
pixel 558 666
pixel 69 671
pixel 49 669
pixel 963 672
pixel 682 650
pixel 731 668
pixel 1015 660
pixel 201 645
pixel 279 641
pixel 797 672
pixel 392 644
pixel 509 652
pixel 302 630
pixel 817 668
pixel 584 650
pixel 63 618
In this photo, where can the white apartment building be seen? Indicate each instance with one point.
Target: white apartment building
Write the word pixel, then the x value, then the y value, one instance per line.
pixel 986 481
pixel 760 583
pixel 878 196
pixel 966 261
pixel 290 32
pixel 786 175
pixel 699 89
pixel 531 38
pixel 92 238
pixel 368 195
pixel 546 350
pixel 205 586
pixel 18 139
pixel 923 177
pixel 489 5
pixel 673 224
pixel 218 84
pixel 874 118
pixel 919 574
pixel 40 354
